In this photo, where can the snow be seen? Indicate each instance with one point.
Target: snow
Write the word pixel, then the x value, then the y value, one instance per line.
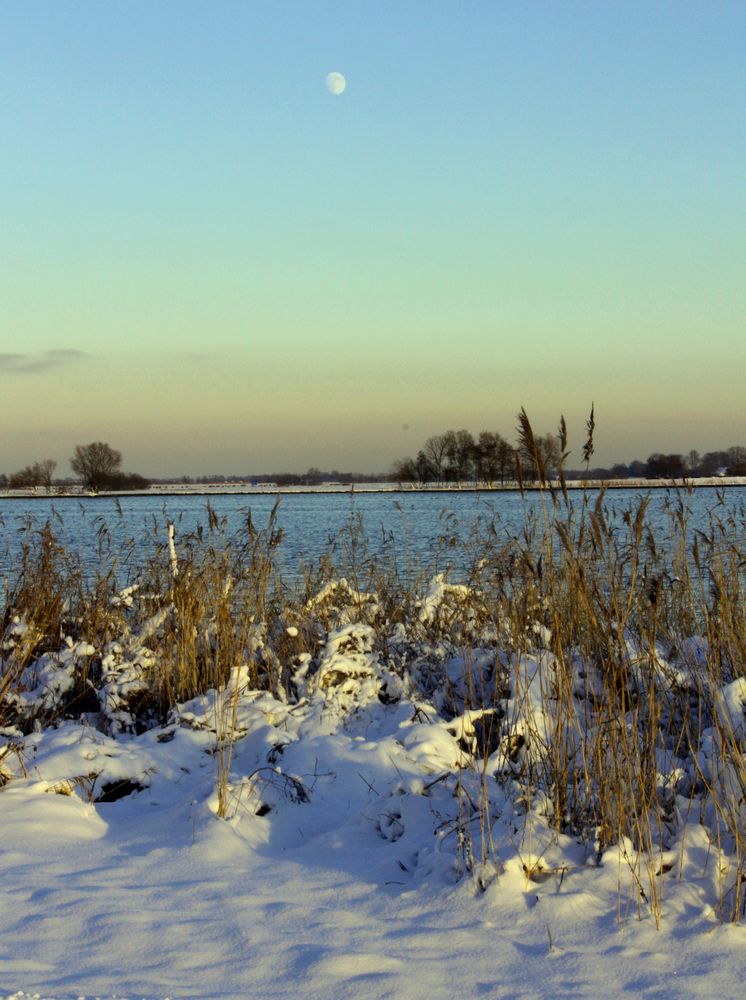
pixel 272 489
pixel 353 860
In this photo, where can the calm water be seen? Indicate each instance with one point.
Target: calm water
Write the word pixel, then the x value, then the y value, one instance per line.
pixel 416 526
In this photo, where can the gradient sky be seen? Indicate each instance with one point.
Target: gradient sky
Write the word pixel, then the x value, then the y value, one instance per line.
pixel 215 265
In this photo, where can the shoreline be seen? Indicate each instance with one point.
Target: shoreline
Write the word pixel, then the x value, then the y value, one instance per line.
pixel 245 489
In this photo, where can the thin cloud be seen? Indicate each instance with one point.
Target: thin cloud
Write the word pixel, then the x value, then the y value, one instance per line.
pixel 28 364
pixel 66 352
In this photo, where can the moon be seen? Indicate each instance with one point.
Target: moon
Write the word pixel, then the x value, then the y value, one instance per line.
pixel 335 83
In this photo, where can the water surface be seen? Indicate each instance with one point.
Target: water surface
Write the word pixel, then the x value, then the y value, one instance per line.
pixel 434 529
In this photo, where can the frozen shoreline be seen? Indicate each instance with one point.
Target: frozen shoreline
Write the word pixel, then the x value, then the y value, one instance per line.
pixel 227 489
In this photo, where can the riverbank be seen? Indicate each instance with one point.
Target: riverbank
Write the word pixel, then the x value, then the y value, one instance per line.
pixel 227 489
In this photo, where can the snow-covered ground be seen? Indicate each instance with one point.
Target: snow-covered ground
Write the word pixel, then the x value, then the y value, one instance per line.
pixel 370 848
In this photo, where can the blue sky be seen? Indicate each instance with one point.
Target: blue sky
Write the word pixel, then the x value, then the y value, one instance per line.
pixel 511 204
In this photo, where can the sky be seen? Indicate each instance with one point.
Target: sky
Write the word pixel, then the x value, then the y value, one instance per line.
pixel 214 264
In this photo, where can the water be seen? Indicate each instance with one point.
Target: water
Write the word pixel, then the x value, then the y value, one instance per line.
pixel 418 528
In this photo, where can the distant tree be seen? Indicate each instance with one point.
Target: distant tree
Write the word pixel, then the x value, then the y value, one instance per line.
pixel 655 465
pixel 737 460
pixel 486 465
pixel 712 462
pixel 659 466
pixel 45 472
pixel 435 451
pixel 22 479
pixel 550 452
pixel 493 458
pixel 97 464
pixel 675 466
pixel 3 480
pixel 425 471
pixel 505 459
pixel 127 481
pixel 314 476
pixel 450 471
pixel 460 450
pixel 38 474
pixel 404 470
pixel 619 471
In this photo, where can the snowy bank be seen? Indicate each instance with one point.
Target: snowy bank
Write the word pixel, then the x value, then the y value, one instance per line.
pixel 371 792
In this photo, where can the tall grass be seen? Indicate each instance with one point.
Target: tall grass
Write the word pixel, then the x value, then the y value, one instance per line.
pixel 614 651
pixel 626 690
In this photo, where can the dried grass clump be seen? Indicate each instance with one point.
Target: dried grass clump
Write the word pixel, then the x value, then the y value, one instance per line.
pixel 627 660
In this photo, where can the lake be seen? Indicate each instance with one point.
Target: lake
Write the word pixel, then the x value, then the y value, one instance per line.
pixel 418 527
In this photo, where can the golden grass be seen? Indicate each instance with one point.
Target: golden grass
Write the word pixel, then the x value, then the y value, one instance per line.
pixel 592 593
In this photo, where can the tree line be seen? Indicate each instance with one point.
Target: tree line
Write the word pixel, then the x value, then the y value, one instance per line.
pixel 97 466
pixel 458 456
pixel 455 456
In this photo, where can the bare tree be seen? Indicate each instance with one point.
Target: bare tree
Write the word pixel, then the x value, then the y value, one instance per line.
pixel 23 478
pixel 435 451
pixel 659 466
pixel 38 474
pixel 712 461
pixel 425 471
pixel 494 457
pixel 460 452
pixel 485 462
pixel 505 459
pixel 97 464
pixel 737 460
pixel 404 470
pixel 551 453
pixel 45 472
